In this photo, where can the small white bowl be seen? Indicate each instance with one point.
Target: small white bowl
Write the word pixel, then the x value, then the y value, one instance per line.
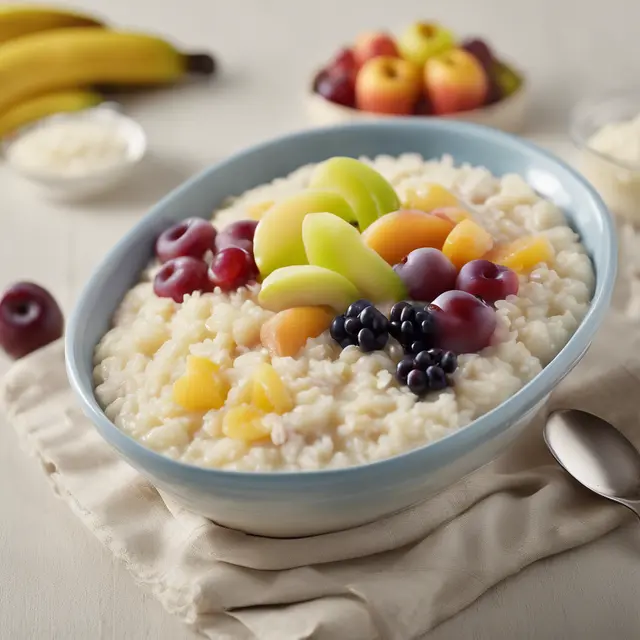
pixel 61 186
pixel 507 115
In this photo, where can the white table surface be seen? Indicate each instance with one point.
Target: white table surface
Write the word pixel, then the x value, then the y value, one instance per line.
pixel 56 581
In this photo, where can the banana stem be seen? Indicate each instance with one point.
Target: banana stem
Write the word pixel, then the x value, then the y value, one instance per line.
pixel 200 63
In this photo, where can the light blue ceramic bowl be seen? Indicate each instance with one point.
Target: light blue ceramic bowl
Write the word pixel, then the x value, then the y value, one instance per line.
pixel 293 504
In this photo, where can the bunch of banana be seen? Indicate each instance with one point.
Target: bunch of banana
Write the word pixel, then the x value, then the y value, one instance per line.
pixel 21 20
pixel 45 105
pixel 51 70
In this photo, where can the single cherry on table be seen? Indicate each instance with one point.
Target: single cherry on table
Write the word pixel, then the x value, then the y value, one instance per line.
pixel 30 318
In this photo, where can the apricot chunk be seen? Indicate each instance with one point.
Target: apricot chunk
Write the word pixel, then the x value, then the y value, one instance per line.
pixel 244 423
pixel 455 214
pixel 288 331
pixel 523 254
pixel 395 235
pixel 429 197
pixel 467 241
pixel 202 387
pixel 269 393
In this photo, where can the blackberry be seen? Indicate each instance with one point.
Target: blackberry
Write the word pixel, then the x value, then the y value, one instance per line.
pixel 427 371
pixel 413 326
pixel 356 307
pixel 361 325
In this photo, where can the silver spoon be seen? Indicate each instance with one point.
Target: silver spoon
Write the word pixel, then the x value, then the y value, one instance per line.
pixel 596 454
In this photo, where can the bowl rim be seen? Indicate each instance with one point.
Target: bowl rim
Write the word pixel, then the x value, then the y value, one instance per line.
pixel 484 427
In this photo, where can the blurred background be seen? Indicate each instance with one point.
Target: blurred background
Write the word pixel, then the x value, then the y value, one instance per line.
pixel 268 51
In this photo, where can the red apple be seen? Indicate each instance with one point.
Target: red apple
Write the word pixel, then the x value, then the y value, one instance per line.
pixel 455 81
pixel 388 85
pixel 344 63
pixel 336 87
pixel 372 45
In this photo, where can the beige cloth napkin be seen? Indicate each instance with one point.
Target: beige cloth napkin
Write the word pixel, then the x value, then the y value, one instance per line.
pixel 391 580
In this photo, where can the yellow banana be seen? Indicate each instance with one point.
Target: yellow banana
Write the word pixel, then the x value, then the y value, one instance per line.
pixel 21 20
pixel 46 105
pixel 65 58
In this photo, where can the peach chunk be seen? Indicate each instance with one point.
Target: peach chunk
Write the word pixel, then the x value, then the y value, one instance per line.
pixel 467 241
pixel 288 331
pixel 244 423
pixel 395 235
pixel 523 254
pixel 202 387
pixel 429 197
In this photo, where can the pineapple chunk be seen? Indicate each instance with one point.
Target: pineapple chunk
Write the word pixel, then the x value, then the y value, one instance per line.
pixel 244 423
pixel 429 197
pixel 269 393
pixel 202 387
pixel 523 254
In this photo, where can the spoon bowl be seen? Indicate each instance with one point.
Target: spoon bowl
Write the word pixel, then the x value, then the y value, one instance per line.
pixel 596 454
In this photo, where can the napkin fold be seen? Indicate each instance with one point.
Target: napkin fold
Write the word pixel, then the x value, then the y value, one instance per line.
pixel 394 579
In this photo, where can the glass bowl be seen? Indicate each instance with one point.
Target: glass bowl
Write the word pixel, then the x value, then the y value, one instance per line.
pixel 615 175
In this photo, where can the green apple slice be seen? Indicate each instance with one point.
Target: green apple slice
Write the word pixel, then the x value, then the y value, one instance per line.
pixel 307 285
pixel 278 238
pixel 368 193
pixel 334 244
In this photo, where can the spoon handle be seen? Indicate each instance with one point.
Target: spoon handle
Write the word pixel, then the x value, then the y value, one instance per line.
pixel 632 505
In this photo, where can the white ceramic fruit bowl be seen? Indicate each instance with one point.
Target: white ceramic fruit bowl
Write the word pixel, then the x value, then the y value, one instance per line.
pixel 507 115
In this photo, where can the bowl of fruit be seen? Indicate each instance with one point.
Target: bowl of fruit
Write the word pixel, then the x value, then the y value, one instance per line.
pixel 329 327
pixel 426 71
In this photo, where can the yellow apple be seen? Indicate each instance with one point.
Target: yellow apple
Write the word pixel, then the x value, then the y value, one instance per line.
pixel 423 40
pixel 388 85
pixel 455 81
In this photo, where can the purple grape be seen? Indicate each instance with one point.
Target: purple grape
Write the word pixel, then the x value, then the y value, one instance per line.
pixel 464 323
pixel 426 273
